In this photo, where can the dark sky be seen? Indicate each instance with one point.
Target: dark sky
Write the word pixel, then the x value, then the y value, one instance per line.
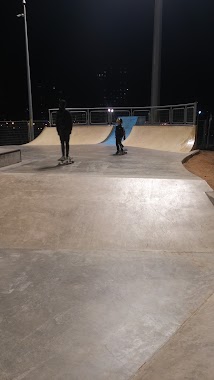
pixel 71 40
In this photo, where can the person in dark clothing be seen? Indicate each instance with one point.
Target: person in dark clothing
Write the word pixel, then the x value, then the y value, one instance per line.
pixel 64 126
pixel 119 135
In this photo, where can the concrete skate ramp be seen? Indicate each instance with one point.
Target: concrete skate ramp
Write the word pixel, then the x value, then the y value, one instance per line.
pixel 81 135
pixel 167 138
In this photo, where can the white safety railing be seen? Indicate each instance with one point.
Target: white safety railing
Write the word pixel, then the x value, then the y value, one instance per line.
pixel 181 114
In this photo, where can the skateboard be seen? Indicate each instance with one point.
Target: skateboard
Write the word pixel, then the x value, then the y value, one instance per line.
pixel 64 163
pixel 120 153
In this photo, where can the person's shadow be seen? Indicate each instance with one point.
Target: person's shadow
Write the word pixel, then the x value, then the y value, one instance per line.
pixel 44 168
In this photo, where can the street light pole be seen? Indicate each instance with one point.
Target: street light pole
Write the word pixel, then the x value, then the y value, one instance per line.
pixel 30 103
pixel 156 65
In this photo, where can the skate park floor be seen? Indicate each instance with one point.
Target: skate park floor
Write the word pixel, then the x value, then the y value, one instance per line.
pixel 100 160
pixel 106 267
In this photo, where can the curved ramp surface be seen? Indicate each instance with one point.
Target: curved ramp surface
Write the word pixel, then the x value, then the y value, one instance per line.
pixel 128 123
pixel 90 134
pixel 81 135
pixel 166 138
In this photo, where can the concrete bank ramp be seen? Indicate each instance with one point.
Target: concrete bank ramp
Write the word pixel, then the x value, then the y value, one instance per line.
pixel 81 135
pixel 128 123
pixel 171 138
pixel 9 157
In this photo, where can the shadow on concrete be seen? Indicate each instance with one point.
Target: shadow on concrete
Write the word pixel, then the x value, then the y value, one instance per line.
pixel 48 168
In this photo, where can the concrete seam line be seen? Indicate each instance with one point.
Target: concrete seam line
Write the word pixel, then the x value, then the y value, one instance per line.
pixel 210 196
pixel 187 158
pixel 136 376
pixel 10 151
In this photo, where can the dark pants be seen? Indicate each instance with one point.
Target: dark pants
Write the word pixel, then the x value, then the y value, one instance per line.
pixel 64 139
pixel 119 144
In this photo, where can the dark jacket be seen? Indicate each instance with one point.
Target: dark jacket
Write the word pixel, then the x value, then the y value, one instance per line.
pixel 64 121
pixel 119 131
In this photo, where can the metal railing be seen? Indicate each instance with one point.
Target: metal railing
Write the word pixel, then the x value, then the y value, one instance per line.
pixel 181 114
pixel 16 132
pixel 205 133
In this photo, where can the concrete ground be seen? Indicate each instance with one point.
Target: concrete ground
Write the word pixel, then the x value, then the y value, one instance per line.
pixel 106 267
pixel 99 160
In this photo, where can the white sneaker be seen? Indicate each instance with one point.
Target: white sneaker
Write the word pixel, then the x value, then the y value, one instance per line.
pixel 68 159
pixel 62 159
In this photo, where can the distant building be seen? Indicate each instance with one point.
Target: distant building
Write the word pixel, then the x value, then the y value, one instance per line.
pixel 113 86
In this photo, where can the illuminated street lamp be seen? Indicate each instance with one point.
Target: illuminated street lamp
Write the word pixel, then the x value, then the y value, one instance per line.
pixel 30 103
pixel 110 114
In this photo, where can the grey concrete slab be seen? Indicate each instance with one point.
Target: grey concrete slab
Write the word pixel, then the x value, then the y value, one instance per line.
pixel 100 263
pixel 51 212
pixel 93 314
pixel 189 354
pixel 9 157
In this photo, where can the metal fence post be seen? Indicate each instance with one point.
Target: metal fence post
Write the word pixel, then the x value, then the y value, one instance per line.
pixel 205 131
pixel 88 117
pixel 195 113
pixel 209 132
pixel 50 117
pixel 185 115
pixel 171 115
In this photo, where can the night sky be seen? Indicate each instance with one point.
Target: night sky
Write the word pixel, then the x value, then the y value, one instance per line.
pixel 71 40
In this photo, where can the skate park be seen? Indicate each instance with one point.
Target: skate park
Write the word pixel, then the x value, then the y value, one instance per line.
pixel 106 264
